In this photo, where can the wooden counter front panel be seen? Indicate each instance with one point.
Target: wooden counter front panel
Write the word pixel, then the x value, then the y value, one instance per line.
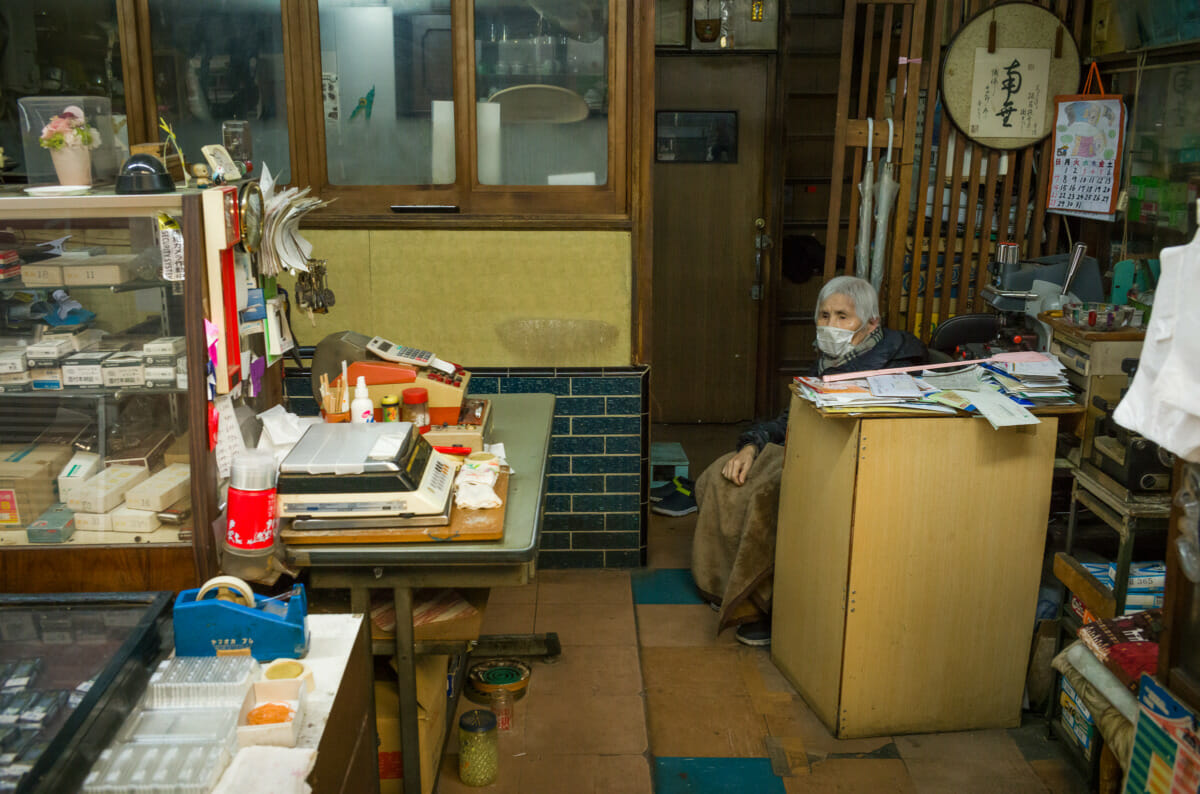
pixel 812 552
pixel 949 528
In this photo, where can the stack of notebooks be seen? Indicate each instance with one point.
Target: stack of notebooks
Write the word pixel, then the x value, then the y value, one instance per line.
pixel 1001 389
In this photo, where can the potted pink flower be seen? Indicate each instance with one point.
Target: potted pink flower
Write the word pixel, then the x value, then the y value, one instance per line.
pixel 70 141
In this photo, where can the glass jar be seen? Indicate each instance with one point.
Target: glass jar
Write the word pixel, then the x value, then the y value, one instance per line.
pixel 478 750
pixel 416 408
pixel 501 703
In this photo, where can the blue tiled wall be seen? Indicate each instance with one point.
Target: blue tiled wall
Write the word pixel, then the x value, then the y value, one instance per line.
pixel 595 514
pixel 595 510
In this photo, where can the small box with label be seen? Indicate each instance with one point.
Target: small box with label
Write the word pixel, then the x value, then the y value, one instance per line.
pixel 106 490
pixel 103 270
pixel 127 519
pixel 164 350
pixel 16 381
pixel 81 466
pixel 162 490
pixel 84 370
pixel 12 361
pixel 46 378
pixel 40 274
pixel 81 338
pixel 93 522
pixel 124 370
pixel 163 376
pixel 48 352
pixel 56 525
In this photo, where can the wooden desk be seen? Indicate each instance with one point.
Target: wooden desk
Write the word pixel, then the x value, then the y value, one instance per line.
pixel 522 422
pixel 907 563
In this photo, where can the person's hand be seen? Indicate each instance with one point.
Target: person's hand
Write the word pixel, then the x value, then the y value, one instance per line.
pixel 737 467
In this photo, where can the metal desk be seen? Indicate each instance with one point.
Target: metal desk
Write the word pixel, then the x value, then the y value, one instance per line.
pixel 522 422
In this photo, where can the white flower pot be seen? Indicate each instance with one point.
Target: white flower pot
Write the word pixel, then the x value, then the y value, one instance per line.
pixel 73 164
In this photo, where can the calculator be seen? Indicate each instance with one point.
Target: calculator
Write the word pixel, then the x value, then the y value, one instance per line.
pixel 389 351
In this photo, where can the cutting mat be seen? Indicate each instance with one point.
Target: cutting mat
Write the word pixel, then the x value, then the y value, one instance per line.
pixel 465 525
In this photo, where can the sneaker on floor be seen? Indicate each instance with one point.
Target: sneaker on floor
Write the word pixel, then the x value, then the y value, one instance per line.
pixel 666 489
pixel 676 504
pixel 756 634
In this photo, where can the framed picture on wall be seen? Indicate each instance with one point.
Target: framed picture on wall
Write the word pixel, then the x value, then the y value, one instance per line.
pixel 671 22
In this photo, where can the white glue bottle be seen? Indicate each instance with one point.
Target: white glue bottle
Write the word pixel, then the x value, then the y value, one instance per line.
pixel 361 408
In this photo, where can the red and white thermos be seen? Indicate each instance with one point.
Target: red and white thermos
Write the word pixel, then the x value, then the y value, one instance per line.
pixel 252 521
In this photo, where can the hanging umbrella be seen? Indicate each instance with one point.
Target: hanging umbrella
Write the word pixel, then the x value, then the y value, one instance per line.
pixel 885 199
pixel 862 250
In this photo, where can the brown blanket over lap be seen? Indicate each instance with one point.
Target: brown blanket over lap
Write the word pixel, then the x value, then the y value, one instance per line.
pixel 733 551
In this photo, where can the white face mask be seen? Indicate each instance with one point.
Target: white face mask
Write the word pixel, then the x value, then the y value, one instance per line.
pixel 835 342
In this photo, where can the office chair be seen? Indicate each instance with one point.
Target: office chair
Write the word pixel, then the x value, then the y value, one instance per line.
pixel 964 329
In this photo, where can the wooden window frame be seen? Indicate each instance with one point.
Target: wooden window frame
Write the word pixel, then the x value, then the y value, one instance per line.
pixel 607 205
pixel 359 205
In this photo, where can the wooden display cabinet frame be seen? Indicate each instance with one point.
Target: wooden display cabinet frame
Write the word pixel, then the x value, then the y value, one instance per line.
pixel 135 566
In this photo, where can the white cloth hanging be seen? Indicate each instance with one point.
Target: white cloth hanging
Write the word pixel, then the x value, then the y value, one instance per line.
pixel 1163 404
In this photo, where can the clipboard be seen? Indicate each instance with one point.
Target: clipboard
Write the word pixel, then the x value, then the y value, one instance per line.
pixel 1089 141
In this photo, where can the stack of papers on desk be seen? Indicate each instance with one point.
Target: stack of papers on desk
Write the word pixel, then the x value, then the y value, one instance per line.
pixel 1000 389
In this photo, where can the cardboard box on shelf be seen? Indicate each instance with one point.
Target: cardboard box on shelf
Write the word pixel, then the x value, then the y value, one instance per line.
pixel 40 274
pixel 162 490
pixel 93 522
pixel 55 525
pixel 148 454
pixel 25 493
pixel 13 361
pixel 84 370
pixel 124 370
pixel 103 270
pixel 127 519
pixel 431 716
pixel 106 490
pixel 81 466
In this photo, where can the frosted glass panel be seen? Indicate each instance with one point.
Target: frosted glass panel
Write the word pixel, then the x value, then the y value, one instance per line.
pixel 387 79
pixel 545 63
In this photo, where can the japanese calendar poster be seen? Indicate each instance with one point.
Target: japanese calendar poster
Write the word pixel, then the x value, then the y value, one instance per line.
pixel 1086 167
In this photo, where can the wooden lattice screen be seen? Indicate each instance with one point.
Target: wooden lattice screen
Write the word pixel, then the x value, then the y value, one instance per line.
pixel 904 40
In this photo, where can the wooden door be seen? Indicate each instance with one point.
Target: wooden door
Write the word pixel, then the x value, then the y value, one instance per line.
pixel 705 322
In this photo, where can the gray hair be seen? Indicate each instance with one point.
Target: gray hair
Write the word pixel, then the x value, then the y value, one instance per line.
pixel 859 291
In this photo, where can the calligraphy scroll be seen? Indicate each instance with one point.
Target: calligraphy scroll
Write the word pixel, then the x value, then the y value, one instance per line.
pixel 1008 93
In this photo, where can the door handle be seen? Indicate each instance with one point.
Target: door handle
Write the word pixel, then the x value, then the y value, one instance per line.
pixel 762 241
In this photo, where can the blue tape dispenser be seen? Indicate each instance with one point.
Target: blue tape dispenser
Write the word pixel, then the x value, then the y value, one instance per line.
pixel 225 618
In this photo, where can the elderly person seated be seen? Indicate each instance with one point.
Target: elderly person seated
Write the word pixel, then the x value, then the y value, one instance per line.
pixel 733 552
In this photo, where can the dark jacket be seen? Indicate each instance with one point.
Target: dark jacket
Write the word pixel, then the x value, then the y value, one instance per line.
pixel 896 349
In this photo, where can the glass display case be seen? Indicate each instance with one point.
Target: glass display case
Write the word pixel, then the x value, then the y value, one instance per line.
pixel 71 669
pixel 98 392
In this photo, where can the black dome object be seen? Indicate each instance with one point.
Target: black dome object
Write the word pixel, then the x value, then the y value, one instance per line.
pixel 144 173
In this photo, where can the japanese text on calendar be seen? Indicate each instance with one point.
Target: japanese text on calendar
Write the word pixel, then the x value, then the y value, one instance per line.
pixel 1082 184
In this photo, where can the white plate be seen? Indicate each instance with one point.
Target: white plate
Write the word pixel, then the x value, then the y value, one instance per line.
pixel 58 190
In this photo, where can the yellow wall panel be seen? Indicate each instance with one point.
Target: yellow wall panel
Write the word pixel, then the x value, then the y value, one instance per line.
pixel 483 298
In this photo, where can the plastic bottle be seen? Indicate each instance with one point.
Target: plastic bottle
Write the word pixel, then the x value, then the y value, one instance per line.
pixel 416 408
pixel 362 410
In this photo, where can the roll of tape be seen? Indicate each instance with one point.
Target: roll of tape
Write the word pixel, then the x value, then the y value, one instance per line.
pixel 481 457
pixel 232 586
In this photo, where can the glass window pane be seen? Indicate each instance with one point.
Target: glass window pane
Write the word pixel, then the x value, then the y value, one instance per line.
pixel 387 74
pixel 218 61
pixel 541 79
pixel 59 48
